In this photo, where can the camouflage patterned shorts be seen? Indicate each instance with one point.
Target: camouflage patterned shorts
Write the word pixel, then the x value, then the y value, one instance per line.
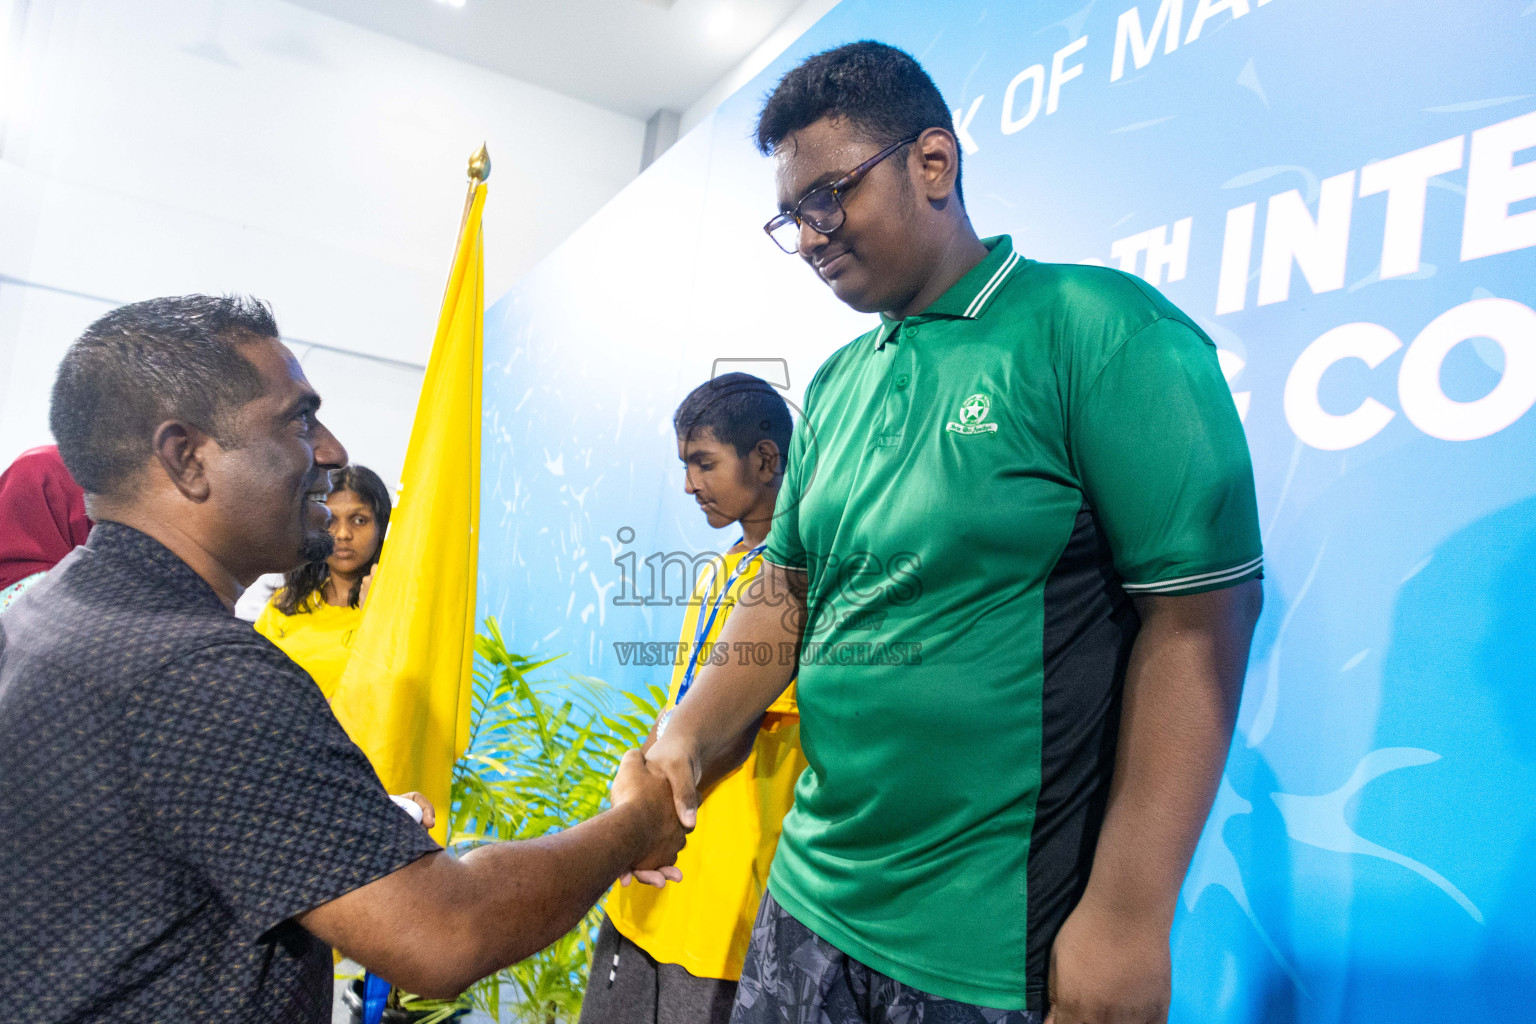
pixel 792 976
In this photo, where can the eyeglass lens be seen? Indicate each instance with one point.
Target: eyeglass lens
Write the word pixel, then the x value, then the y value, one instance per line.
pixel 786 234
pixel 820 209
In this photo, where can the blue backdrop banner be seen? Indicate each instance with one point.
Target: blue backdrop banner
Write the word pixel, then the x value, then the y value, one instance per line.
pixel 1343 194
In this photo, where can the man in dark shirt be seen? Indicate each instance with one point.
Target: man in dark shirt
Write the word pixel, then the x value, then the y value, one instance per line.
pixel 185 828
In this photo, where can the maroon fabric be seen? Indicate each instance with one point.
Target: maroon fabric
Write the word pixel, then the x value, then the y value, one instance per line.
pixel 42 514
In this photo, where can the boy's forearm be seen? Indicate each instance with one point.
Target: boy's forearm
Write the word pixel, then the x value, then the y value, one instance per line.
pixel 1181 695
pixel 1110 960
pixel 728 700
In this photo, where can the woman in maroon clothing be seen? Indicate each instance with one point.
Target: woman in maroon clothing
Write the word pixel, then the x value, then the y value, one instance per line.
pixel 42 519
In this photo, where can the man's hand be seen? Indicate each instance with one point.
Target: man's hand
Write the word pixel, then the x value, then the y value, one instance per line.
pixel 1107 968
pixel 636 784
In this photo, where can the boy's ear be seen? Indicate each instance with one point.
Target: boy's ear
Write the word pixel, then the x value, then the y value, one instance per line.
pixel 768 460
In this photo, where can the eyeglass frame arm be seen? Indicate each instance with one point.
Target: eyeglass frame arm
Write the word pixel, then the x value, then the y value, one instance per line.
pixel 836 188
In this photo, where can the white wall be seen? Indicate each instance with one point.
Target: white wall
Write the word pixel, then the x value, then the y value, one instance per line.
pixel 154 147
pixel 793 27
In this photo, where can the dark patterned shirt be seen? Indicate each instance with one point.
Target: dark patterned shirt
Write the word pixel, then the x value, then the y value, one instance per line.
pixel 173 790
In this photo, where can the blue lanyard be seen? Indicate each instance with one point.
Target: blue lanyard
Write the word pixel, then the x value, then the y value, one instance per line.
pixel 705 625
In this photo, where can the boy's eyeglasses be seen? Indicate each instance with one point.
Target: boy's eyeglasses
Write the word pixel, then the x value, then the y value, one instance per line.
pixel 822 207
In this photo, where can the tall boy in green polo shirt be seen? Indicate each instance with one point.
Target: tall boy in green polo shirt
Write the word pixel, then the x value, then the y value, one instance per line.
pixel 1031 483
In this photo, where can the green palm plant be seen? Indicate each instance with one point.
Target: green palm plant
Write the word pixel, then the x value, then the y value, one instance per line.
pixel 540 758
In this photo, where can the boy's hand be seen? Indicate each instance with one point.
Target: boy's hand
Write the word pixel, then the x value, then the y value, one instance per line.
pixel 428 815
pixel 1107 968
pixel 676 758
pixel 635 783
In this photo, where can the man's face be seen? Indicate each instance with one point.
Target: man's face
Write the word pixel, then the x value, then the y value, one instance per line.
pixel 721 481
pixel 270 488
pixel 875 261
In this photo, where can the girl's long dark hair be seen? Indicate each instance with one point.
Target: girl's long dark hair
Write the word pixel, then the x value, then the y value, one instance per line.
pixel 304 582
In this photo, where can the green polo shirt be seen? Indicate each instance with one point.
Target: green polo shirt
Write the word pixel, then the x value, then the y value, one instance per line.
pixel 974 492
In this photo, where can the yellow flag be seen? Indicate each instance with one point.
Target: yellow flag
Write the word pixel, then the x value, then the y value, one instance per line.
pixel 404 696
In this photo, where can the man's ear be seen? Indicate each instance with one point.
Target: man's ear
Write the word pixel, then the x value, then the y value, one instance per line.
pixel 938 158
pixel 180 449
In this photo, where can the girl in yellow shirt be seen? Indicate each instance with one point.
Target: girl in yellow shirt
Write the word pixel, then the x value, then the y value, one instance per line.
pixel 315 614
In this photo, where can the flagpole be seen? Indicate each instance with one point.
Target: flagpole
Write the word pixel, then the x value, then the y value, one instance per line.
pixel 479 171
pixel 405 695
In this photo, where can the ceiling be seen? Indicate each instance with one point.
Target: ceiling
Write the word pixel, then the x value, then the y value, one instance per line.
pixel 630 56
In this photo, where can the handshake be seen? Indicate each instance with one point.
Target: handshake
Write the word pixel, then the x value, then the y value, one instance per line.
pixel 660 783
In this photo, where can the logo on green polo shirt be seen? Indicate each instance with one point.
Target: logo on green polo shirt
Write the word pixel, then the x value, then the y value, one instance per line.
pixel 973 414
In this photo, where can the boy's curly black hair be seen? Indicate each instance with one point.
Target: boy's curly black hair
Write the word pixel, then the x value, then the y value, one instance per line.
pixel 882 91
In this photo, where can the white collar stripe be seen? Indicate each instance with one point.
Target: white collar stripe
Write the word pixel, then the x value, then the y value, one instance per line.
pixel 985 295
pixel 981 297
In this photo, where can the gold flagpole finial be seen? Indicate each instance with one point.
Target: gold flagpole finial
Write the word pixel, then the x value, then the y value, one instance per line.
pixel 480 164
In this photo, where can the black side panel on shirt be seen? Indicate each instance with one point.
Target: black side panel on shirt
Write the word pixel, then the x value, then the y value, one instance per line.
pixel 1090 625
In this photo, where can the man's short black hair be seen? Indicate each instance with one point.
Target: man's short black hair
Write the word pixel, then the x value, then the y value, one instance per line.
pixel 174 358
pixel 882 91
pixel 740 410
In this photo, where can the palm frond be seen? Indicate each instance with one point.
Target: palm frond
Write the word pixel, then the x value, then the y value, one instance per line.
pixel 541 756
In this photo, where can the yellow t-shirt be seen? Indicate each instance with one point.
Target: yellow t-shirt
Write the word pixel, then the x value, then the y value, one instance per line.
pixel 705 923
pixel 319 637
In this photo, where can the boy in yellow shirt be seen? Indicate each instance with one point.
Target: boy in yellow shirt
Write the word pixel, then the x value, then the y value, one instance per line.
pixel 674 955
